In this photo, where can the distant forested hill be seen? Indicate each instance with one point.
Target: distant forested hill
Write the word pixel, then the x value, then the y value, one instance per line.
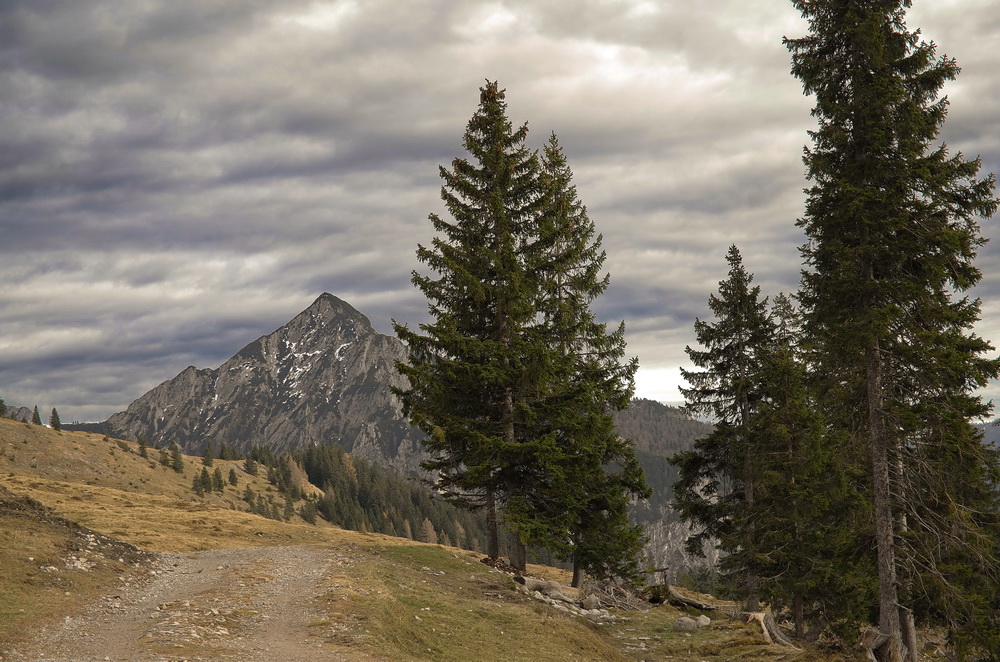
pixel 659 429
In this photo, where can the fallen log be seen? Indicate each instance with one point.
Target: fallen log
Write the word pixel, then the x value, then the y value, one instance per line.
pixel 679 600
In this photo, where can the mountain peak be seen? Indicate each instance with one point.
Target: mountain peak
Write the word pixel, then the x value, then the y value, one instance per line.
pixel 324 377
pixel 329 306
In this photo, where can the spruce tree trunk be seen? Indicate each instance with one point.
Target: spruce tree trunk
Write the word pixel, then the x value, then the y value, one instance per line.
pixel 885 544
pixel 577 573
pixel 518 555
pixel 492 537
pixel 799 608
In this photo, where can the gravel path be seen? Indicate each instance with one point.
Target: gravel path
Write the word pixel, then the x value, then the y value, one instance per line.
pixel 252 605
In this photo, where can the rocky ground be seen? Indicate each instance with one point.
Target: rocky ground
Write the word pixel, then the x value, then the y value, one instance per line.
pixel 252 604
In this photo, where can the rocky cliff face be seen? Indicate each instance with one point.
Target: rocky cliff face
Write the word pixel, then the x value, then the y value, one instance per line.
pixel 323 378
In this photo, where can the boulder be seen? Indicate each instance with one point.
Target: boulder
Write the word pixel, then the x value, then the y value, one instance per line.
pixel 685 624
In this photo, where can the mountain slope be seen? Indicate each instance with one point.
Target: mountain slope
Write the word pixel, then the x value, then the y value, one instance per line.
pixel 323 378
pixel 82 594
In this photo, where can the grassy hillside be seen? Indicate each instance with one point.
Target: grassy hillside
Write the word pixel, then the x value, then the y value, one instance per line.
pixel 405 601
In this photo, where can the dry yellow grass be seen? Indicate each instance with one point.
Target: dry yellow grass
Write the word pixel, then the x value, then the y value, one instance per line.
pixel 400 600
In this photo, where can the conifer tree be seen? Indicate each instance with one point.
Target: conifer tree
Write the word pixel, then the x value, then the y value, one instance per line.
pixel 802 550
pixel 718 476
pixel 205 479
pixel 308 512
pixel 581 475
pixel 143 449
pixel 892 234
pixel 208 458
pixel 470 366
pixel 35 418
pixel 177 459
pixel 218 484
pixel 233 478
pixel 54 421
pixel 3 408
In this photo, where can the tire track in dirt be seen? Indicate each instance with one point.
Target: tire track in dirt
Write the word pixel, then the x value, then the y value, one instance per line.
pixel 249 604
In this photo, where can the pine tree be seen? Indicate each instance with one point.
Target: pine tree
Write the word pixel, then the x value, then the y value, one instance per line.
pixel 3 408
pixel 581 476
pixel 218 484
pixel 892 234
pixel 717 477
pixel 470 367
pixel 208 458
pixel 205 479
pixel 143 450
pixel 802 550
pixel 35 418
pixel 177 459
pixel 54 421
pixel 308 512
pixel 233 478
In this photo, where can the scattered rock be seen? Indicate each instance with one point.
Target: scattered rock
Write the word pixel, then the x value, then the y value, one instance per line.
pixel 685 624
pixel 704 621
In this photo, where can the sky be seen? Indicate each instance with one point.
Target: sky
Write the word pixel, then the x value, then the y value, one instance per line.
pixel 178 179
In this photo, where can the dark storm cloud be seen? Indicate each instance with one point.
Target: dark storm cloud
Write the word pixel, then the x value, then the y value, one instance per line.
pixel 177 179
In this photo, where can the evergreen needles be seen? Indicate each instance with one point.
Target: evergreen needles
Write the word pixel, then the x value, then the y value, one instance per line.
pixel 513 381
pixel 844 459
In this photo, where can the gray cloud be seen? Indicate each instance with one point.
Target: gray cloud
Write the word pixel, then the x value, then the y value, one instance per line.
pixel 177 179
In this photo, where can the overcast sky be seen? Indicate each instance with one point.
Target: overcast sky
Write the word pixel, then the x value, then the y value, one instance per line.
pixel 180 178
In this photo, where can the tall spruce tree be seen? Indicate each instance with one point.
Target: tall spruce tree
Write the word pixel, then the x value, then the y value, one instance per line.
pixel 892 235
pixel 581 475
pixel 470 367
pixel 36 417
pixel 803 551
pixel 54 421
pixel 717 477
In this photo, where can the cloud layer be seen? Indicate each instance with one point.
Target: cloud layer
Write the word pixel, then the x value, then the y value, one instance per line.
pixel 177 179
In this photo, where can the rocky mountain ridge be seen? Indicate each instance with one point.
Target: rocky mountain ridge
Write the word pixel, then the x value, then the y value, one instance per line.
pixel 325 377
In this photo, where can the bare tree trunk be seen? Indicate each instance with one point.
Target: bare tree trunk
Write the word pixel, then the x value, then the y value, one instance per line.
pixel 879 450
pixel 909 634
pixel 577 573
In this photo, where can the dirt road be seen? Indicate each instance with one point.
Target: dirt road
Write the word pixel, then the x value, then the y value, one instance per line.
pixel 252 605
